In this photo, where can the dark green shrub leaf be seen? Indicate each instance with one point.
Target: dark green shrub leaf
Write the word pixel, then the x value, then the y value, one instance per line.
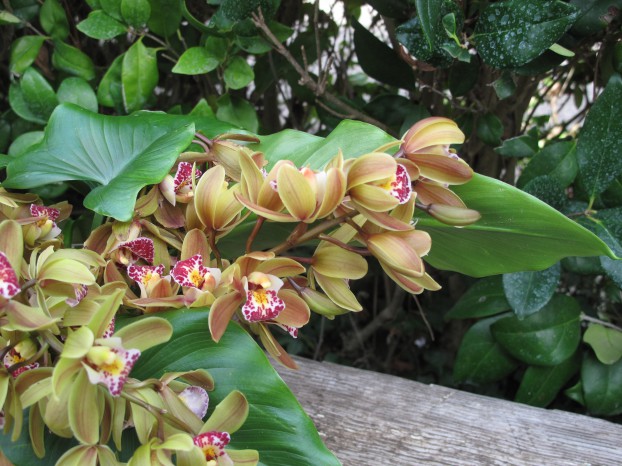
pixel 33 99
pixel 113 8
pixel 490 129
pixel 575 393
pixel 602 386
pixel 100 25
pixel 540 385
pixel 165 16
pixel 25 10
pixel 485 298
pixel 120 154
pixel 72 61
pixel 513 32
pixel 238 73
pixel 545 338
pixel 380 61
pixel 547 189
pixel 77 91
pixel 519 146
pixel 599 143
pixel 110 89
pixel 463 76
pixel 557 160
pixel 54 20
pixel 8 18
pixel 238 112
pixel 136 13
pixel 504 86
pixel 605 341
pixel 24 51
pixel 139 76
pixel 582 265
pixel 480 358
pixel 528 292
pixel 592 14
pixel 607 225
pixel 196 60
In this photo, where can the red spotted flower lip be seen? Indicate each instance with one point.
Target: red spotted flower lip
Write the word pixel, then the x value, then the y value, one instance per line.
pixel 42 211
pixel 401 188
pixel 183 177
pixel 140 248
pixel 9 284
pixel 212 443
pixel 193 274
pixel 144 273
pixel 262 300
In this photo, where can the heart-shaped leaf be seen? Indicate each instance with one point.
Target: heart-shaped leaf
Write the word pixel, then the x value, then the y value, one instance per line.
pixel 546 338
pixel 120 154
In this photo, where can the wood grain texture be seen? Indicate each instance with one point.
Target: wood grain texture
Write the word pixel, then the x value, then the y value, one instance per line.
pixel 372 419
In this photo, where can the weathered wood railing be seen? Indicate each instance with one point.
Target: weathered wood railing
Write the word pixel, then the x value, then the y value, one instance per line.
pixel 371 419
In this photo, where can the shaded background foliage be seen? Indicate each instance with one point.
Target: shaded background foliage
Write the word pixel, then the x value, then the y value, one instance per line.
pixel 519 76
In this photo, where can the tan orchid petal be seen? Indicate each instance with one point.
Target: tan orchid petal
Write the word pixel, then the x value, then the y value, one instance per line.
pixel 67 271
pixel 384 220
pixel 229 415
pixel 432 193
pixel 229 155
pixel 174 302
pixel 251 177
pixel 406 283
pixel 265 212
pixel 394 250
pixel 170 216
pixel 413 170
pixel 167 188
pixel 339 292
pixel 336 262
pixel 244 457
pixel 404 212
pixel 192 219
pixel 260 255
pixel 145 333
pixel 419 240
pixel 430 132
pixel 208 190
pixel 334 192
pixel 274 348
pixel 321 304
pixel 281 267
pixel 455 216
pixel 337 161
pixel 374 198
pixel 442 168
pixel 295 192
pixel 84 410
pixel 11 243
pixel 221 312
pixel 296 312
pixel 371 167
pixel 195 242
pixel 227 208
pixel 146 205
pixel 27 319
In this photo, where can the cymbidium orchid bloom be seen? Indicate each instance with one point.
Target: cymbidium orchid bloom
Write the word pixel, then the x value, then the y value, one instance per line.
pixel 262 300
pixel 9 284
pixel 192 273
pixel 146 276
pixel 44 228
pixel 21 352
pixel 180 187
pixel 213 444
pixel 129 252
pixel 196 399
pixel 108 363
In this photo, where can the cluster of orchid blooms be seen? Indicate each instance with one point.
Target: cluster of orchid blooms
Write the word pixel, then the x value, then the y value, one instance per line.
pixel 62 354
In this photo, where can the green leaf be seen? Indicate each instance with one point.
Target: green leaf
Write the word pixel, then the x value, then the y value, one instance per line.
pixel 525 145
pixel 379 60
pixel 100 25
pixel 238 73
pixel 463 76
pixel 24 142
pixel 540 236
pixel 238 112
pixel 607 225
pixel 287 433
pixel 165 17
pixel 528 292
pixel 121 154
pixel 33 98
pixel 72 61
pixel 139 76
pixel 592 16
pixel 504 86
pixel 196 60
pixel 545 338
pixel 110 89
pixel 484 298
pixel 54 20
pixel 8 18
pixel 540 385
pixel 24 51
pixel 490 129
pixel 512 33
pixel 599 143
pixel 113 8
pixel 480 358
pixel 136 13
pixel 602 386
pixel 605 341
pixel 557 160
pixel 77 91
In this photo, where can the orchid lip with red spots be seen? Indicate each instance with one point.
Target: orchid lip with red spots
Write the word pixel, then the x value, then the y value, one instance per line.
pixel 401 188
pixel 212 444
pixel 144 273
pixel 262 300
pixel 110 366
pixel 9 284
pixel 14 357
pixel 50 213
pixel 139 248
pixel 192 273
pixel 183 177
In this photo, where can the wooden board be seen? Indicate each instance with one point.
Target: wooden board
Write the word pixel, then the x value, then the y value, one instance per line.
pixel 372 419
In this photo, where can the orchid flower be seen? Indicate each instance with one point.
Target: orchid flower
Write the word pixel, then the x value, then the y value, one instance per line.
pixel 21 352
pixel 180 187
pixel 108 363
pixel 9 284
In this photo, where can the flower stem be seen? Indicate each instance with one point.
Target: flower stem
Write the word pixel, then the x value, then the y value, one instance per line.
pixel 251 238
pixel 159 413
pixel 341 244
pixel 212 245
pixel 601 322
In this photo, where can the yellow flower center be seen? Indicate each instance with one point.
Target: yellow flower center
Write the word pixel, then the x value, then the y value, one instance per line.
pixel 115 368
pixel 196 278
pixel 209 452
pixel 260 297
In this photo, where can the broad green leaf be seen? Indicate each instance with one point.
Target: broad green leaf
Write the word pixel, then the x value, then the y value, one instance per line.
pixel 238 73
pixel 540 236
pixel 54 20
pixel 605 341
pixel 196 60
pixel 24 51
pixel 239 112
pixel 110 89
pixel 512 33
pixel 557 160
pixel 549 190
pixel 484 298
pixel 24 142
pixel 607 225
pixel 591 16
pixel 165 16
pixel 136 13
pixel 25 10
pixel 33 98
pixel 120 154
pixel 545 338
pixel 463 76
pixel 113 8
pixel 525 145
pixel 599 143
pixel 480 358
pixel 100 25
pixel 540 385
pixel 139 76
pixel 287 434
pixel 528 292
pixel 504 86
pixel 602 386
pixel 490 129
pixel 8 18
pixel 77 91
pixel 72 61
pixel 379 60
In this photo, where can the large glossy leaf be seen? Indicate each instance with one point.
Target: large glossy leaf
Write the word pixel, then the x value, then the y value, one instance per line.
pixel 602 386
pixel 514 32
pixel 538 234
pixel 485 298
pixel 528 292
pixel 276 426
pixel 119 154
pixel 599 143
pixel 546 338
pixel 605 341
